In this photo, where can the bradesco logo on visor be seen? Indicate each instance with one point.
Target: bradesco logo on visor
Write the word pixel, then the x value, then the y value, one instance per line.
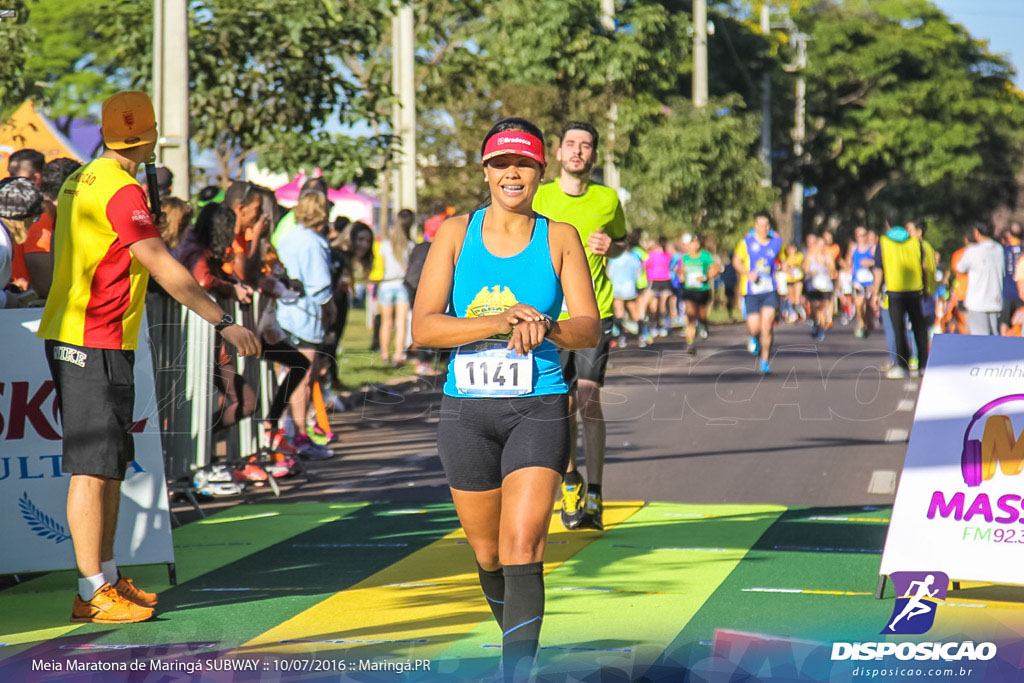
pixel 979 458
pixel 514 142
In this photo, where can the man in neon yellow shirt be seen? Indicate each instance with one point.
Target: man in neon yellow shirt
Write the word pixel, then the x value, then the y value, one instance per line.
pixel 596 212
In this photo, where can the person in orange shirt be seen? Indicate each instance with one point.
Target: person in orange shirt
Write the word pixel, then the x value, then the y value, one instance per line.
pixel 245 200
pixel 28 164
pixel 955 319
pixel 36 257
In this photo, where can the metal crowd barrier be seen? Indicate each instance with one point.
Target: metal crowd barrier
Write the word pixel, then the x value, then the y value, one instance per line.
pixel 183 352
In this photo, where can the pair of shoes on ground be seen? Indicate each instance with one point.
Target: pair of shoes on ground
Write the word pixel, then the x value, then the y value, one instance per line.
pixel 581 509
pixel 121 603
pixel 217 481
pixel 898 372
pixel 299 446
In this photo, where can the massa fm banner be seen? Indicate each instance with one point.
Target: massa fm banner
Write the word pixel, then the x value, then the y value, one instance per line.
pixel 960 504
pixel 33 521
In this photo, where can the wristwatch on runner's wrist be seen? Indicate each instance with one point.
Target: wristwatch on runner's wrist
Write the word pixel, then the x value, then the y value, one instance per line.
pixel 225 322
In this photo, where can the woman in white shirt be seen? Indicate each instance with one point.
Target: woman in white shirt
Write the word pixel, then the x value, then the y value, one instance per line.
pixel 392 294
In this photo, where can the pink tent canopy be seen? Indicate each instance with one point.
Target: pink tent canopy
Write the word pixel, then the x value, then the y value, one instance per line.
pixel 347 202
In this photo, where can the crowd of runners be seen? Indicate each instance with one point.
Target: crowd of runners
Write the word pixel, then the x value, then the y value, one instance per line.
pixel 531 292
pixel 664 287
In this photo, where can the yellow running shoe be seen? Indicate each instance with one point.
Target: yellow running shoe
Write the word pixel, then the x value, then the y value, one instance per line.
pixel 573 491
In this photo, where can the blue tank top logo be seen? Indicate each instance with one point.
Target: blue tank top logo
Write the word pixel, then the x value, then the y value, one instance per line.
pixel 485 284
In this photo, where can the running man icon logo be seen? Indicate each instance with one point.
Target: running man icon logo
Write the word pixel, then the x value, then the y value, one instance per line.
pixel 917 594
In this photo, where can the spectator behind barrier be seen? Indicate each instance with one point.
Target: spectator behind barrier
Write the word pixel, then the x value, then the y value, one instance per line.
pixel 34 258
pixel 27 163
pixel 21 202
pixel 392 294
pixel 174 221
pixel 305 254
pixel 245 200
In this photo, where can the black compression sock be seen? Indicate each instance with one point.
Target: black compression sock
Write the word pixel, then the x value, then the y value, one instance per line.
pixel 594 488
pixel 523 614
pixel 493 584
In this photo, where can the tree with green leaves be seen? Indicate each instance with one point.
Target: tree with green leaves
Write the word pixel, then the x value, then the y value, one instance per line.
pixel 909 116
pixel 15 46
pixel 691 170
pixel 71 61
pixel 549 61
pixel 267 77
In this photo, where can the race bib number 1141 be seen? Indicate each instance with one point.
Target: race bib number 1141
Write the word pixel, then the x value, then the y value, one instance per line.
pixel 489 369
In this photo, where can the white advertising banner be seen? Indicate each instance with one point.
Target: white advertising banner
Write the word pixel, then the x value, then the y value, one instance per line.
pixel 960 503
pixel 33 491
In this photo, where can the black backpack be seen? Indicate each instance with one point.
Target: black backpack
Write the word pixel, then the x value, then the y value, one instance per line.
pixel 414 269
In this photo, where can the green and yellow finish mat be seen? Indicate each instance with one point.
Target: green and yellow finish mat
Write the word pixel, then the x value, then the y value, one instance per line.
pixel 365 591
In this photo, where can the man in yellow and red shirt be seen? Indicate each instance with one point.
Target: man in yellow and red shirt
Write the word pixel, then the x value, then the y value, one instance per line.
pixel 105 248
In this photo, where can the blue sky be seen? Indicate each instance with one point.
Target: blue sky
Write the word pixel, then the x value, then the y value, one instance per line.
pixel 1001 22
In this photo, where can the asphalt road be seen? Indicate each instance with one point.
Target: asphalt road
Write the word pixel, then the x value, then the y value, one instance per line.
pixel 825 429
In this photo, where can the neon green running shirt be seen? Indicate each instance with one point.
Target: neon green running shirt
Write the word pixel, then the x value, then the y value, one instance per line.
pixel 596 208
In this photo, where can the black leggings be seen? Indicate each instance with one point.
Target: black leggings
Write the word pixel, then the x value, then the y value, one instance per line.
pixel 285 354
pixel 239 400
pixel 901 305
pixel 330 346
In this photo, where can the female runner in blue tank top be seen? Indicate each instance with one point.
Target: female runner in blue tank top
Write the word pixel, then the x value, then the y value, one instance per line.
pixel 492 287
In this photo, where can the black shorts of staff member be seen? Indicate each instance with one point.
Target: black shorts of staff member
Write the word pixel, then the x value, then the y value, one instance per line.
pixel 483 440
pixel 96 398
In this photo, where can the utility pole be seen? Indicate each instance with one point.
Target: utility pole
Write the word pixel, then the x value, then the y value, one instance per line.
pixel 766 104
pixel 403 76
pixel 171 91
pixel 700 53
pixel 799 131
pixel 611 171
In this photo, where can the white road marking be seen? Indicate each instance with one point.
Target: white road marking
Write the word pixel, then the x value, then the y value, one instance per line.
pixel 896 435
pixel 883 482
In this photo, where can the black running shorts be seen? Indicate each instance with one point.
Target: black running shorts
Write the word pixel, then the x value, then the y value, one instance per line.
pixel 701 297
pixel 483 440
pixel 96 398
pixel 661 286
pixel 1010 307
pixel 589 364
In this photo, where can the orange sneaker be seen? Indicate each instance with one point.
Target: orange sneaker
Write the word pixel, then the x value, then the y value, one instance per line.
pixel 108 607
pixel 127 590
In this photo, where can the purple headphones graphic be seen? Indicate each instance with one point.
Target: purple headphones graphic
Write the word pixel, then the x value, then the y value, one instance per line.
pixel 971 461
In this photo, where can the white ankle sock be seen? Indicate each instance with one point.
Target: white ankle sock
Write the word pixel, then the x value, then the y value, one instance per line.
pixel 110 574
pixel 88 586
